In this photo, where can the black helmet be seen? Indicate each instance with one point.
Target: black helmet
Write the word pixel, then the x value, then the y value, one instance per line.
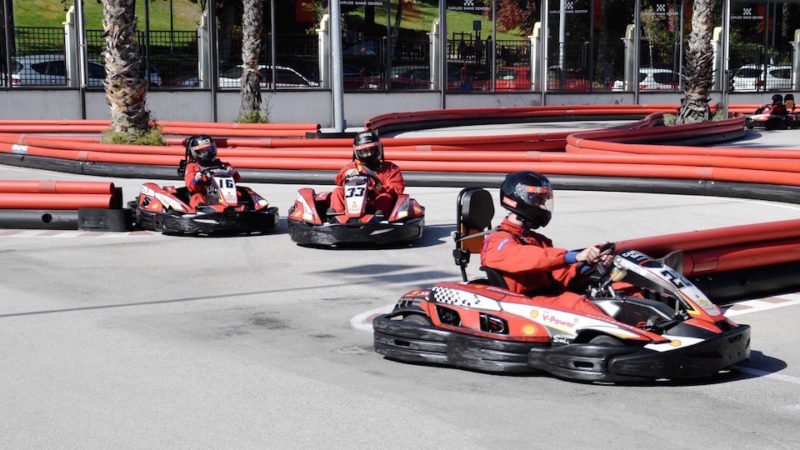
pixel 202 148
pixel 529 195
pixel 367 149
pixel 777 98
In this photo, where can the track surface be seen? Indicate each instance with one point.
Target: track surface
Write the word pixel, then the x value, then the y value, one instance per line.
pixel 157 341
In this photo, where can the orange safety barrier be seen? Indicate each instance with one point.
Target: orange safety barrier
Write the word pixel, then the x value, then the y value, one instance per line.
pixel 718 237
pixel 56 187
pixel 54 201
pixel 743 256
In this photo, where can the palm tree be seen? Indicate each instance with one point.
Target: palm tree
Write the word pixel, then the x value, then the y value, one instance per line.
pixel 124 85
pixel 698 76
pixel 252 26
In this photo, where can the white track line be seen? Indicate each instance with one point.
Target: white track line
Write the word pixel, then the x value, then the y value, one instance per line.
pixel 363 321
pixel 761 304
pixel 769 375
pixel 60 234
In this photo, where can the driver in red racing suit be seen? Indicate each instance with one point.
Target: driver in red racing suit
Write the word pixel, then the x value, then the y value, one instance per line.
pixel 529 263
pixel 368 157
pixel 203 153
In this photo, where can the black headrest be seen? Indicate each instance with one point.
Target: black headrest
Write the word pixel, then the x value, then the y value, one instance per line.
pixel 477 209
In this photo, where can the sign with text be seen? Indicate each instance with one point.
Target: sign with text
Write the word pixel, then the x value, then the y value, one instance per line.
pixel 570 7
pixel 469 5
pixel 362 2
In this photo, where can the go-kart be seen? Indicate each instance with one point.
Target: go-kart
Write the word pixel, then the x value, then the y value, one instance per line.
pixel 769 121
pixel 312 222
pixel 667 328
pixel 230 207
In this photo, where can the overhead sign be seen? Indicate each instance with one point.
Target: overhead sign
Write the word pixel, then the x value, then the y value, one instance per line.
pixel 661 10
pixel 747 14
pixel 570 7
pixel 469 5
pixel 362 2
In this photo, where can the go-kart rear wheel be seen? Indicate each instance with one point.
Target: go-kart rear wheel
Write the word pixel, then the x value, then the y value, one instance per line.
pixel 418 319
pixel 605 339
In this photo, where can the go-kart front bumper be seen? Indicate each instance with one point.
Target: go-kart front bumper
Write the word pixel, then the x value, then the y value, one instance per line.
pixel 381 233
pixel 208 223
pixel 610 363
pixel 415 343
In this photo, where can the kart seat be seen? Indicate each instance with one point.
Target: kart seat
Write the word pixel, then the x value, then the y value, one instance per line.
pixel 494 278
pixel 474 213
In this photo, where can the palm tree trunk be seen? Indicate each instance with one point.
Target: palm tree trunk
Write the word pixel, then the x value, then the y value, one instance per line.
pixel 124 85
pixel 252 26
pixel 698 76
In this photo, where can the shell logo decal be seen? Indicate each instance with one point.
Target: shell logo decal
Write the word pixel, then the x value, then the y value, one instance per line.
pixel 529 330
pixel 675 343
pixel 534 314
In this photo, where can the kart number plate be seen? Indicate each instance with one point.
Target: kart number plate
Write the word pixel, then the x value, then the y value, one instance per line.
pixel 227 189
pixel 355 195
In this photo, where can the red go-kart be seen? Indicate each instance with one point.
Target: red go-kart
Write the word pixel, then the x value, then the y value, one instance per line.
pixel 312 222
pixel 667 329
pixel 230 207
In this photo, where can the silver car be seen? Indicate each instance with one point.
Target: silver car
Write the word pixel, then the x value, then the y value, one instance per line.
pixel 51 70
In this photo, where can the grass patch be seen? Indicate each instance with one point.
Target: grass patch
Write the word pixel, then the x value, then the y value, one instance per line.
pixel 670 120
pixel 51 13
pixel 420 15
pixel 253 117
pixel 153 136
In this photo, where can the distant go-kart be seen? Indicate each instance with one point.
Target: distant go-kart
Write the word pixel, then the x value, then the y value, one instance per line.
pixel 230 207
pixel 311 222
pixel 666 328
pixel 769 121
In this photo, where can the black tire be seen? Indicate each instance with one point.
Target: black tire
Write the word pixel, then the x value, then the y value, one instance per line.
pixel 418 319
pixel 604 339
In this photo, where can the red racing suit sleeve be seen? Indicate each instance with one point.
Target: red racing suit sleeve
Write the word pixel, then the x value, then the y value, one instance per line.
pixel 236 176
pixel 343 172
pixel 502 251
pixel 193 185
pixel 391 179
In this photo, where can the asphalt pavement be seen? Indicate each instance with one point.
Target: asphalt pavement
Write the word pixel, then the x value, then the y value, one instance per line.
pixel 142 340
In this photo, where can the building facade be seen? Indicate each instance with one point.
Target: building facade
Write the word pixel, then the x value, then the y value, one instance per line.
pixel 397 55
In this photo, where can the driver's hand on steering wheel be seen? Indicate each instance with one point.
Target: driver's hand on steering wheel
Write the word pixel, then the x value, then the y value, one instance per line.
pixel 199 176
pixel 351 173
pixel 589 255
pixel 606 258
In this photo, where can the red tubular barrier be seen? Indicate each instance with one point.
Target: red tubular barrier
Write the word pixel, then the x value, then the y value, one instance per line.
pixel 738 257
pixel 54 201
pixel 56 187
pixel 718 237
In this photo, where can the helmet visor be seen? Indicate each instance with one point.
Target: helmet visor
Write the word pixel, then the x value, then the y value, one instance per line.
pixel 538 196
pixel 205 150
pixel 367 151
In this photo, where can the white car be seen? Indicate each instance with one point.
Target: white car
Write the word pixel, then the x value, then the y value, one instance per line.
pixel 751 78
pixel 286 77
pixel 651 79
pixel 51 70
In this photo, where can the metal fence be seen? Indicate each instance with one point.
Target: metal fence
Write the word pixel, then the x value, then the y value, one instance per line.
pixel 760 69
pixel 173 57
pixel 570 67
pixel 296 57
pixel 38 57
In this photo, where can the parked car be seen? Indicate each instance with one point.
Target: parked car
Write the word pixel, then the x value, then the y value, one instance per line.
pixel 285 77
pixel 403 77
pixel 513 78
pixel 751 78
pixel 51 70
pixel 569 81
pixel 653 79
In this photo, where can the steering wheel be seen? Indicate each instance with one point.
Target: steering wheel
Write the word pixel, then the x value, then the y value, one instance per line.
pixel 598 271
pixel 370 173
